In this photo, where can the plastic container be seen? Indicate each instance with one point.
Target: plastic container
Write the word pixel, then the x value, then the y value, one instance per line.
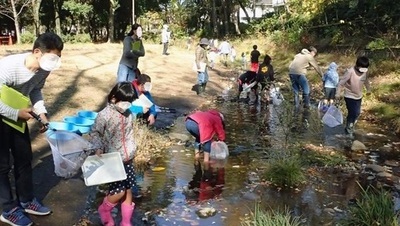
pixel 82 124
pixel 87 114
pixel 105 169
pixel 63 126
pixel 219 150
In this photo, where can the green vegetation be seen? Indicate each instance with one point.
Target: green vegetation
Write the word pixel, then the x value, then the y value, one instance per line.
pixel 271 218
pixel 375 207
pixel 285 172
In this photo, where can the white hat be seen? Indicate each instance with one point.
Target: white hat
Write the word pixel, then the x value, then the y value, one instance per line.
pixel 204 41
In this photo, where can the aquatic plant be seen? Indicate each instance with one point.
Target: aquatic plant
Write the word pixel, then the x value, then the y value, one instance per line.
pixel 285 172
pixel 271 218
pixel 374 207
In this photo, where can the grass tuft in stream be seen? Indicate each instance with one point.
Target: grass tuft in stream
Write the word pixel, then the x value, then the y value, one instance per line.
pixel 271 218
pixel 374 207
pixel 285 172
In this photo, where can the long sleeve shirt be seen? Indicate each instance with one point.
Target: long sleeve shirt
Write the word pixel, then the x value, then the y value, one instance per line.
pixel 130 57
pixel 300 63
pixel 16 75
pixel 113 132
pixel 352 82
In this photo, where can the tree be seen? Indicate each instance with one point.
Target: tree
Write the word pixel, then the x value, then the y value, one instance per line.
pixel 12 9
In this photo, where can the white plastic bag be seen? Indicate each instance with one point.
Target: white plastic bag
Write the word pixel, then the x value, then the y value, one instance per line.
pixel 68 152
pixel 219 150
pixel 333 117
pixel 276 96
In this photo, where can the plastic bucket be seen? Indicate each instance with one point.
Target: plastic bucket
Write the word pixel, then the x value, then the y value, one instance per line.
pixel 82 124
pixel 63 126
pixel 87 114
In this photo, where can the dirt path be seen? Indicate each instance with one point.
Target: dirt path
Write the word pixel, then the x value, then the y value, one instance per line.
pixel 87 74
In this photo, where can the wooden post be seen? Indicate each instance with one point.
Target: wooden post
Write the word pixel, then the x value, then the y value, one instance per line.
pixel 10 42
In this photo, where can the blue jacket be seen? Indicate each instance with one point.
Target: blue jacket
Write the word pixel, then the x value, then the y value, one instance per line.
pixel 331 77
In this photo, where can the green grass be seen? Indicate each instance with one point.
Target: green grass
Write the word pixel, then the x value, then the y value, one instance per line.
pixel 272 218
pixel 285 172
pixel 385 111
pixel 375 207
pixel 313 158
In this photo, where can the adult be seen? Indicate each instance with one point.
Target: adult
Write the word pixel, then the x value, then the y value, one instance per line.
pixel 165 37
pixel 204 125
pixel 132 49
pixel 298 71
pixel 201 65
pixel 26 73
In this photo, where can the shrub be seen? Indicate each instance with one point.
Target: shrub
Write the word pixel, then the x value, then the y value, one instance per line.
pixel 27 37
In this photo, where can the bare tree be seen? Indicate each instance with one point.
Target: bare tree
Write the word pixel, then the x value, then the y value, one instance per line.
pixel 10 10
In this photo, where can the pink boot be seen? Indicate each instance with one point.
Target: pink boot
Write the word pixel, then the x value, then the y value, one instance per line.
pixel 105 212
pixel 127 211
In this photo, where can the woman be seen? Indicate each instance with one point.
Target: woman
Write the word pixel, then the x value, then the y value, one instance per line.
pixel 132 50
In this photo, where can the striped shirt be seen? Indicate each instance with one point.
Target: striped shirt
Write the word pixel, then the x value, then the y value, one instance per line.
pixel 16 75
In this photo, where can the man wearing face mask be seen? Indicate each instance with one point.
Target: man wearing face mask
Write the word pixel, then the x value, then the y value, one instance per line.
pixel 143 86
pixel 132 49
pixel 352 82
pixel 26 73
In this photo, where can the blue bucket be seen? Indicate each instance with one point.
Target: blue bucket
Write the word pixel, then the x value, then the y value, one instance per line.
pixel 87 114
pixel 63 126
pixel 82 124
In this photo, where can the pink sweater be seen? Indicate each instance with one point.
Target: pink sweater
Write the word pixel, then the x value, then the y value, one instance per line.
pixel 210 123
pixel 353 82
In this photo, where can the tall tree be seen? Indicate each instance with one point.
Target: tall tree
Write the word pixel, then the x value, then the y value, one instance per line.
pixel 36 8
pixel 12 9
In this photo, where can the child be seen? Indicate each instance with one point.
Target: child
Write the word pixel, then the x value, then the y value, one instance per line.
pixel 212 56
pixel 254 55
pixel 247 82
pixel 352 82
pixel 331 80
pixel 203 125
pixel 201 59
pixel 266 74
pixel 26 73
pixel 233 54
pixel 113 132
pixel 142 85
pixel 244 61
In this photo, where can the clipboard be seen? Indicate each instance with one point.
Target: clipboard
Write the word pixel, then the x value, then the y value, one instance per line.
pixel 136 45
pixel 16 100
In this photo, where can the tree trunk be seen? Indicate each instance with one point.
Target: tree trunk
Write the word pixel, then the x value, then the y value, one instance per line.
pixel 57 17
pixel 16 22
pixel 244 10
pixel 235 19
pixel 111 24
pixel 226 16
pixel 214 19
pixel 36 21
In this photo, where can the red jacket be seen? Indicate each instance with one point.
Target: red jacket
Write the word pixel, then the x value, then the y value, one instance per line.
pixel 210 123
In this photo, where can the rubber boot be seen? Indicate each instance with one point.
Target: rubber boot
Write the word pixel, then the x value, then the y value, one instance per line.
pixel 296 101
pixel 201 89
pixel 127 212
pixel 306 100
pixel 105 212
pixel 349 130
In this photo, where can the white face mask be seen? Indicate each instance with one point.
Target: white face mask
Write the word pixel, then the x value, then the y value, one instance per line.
pixel 49 62
pixel 139 32
pixel 362 69
pixel 147 86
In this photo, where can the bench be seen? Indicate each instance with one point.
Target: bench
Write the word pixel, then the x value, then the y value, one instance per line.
pixel 5 40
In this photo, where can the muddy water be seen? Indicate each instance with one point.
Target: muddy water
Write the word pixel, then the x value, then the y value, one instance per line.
pixel 175 195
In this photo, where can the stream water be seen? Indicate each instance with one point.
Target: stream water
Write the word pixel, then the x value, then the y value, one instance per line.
pixel 176 194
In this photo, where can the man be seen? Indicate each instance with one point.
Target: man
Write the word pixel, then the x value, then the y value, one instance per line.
pixel 297 73
pixel 165 36
pixel 25 73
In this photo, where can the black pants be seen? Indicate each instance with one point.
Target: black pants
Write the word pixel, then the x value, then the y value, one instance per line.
pixel 17 144
pixel 165 47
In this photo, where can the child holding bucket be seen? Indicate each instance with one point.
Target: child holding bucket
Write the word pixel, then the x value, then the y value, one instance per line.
pixel 203 125
pixel 113 132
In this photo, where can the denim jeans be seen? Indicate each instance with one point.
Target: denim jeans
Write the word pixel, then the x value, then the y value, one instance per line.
pixel 353 110
pixel 300 82
pixel 202 77
pixel 193 129
pixel 125 73
pixel 18 145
